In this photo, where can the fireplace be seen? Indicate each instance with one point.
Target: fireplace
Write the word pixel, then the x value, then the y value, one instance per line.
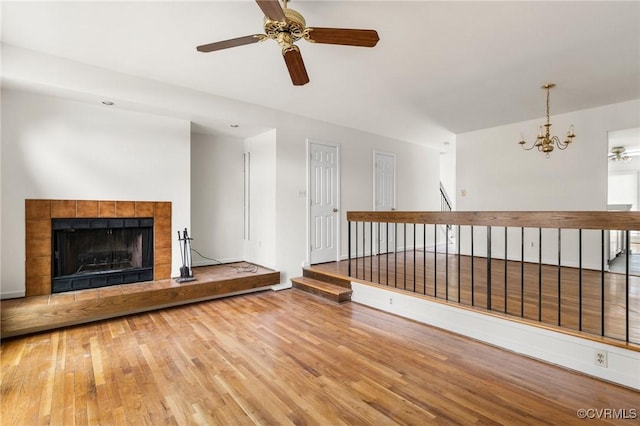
pixel 41 213
pixel 99 252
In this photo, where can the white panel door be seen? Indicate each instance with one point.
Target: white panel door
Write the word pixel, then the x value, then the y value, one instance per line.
pixel 385 196
pixel 323 187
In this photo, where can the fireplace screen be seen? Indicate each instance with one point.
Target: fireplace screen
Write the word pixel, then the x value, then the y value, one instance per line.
pixel 90 253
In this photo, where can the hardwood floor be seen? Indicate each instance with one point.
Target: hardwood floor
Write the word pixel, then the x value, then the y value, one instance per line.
pixel 284 358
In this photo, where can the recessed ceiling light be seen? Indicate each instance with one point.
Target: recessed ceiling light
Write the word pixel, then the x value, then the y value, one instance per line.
pixel 235 126
pixel 445 143
pixel 108 103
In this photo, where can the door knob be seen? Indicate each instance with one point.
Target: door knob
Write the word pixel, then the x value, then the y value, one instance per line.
pixel 335 210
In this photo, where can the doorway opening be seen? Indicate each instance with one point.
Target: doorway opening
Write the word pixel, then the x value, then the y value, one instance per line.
pixel 624 195
pixel 323 195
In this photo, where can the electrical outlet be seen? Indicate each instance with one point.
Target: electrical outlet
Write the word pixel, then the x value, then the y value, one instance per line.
pixel 391 300
pixel 601 358
pixel 532 244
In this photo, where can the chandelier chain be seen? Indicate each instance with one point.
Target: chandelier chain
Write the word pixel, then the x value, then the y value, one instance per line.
pixel 548 109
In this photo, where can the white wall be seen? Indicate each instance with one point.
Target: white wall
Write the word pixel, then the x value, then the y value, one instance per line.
pixel 58 149
pixel 448 169
pixel 216 198
pixel 261 239
pixel 499 175
pixel 278 222
pixel 417 181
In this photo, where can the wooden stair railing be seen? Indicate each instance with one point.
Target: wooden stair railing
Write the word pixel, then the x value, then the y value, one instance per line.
pixel 544 266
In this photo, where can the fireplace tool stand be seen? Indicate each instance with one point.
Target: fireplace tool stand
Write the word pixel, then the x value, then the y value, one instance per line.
pixel 185 251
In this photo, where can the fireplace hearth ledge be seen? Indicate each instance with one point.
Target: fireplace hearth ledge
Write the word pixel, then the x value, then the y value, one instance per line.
pixel 48 312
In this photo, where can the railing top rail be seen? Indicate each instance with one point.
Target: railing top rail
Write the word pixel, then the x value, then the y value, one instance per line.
pixel 527 219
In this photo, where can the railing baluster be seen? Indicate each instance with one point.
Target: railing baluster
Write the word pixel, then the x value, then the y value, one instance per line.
pixel 404 256
pixel 356 238
pixel 424 258
pixel 602 298
pixel 371 249
pixel 379 256
pixel 395 256
pixel 489 267
pixel 364 250
pixel 580 279
pixel 458 238
pixel 349 247
pixel 387 255
pixel 446 262
pixel 522 272
pixel 627 251
pixel 559 275
pixel 473 292
pixel 505 270
pixel 435 260
pixel 414 257
pixel 539 274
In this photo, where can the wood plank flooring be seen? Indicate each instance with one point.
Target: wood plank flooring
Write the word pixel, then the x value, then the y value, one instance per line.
pixel 282 358
pixel 38 313
pixel 437 274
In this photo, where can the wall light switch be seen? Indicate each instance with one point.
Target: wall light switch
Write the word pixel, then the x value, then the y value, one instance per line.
pixel 463 192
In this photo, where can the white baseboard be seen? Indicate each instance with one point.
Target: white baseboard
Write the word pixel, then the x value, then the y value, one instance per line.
pixel 546 345
pixel 12 295
pixel 281 286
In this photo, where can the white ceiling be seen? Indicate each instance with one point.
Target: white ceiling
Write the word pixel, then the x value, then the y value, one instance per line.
pixel 439 67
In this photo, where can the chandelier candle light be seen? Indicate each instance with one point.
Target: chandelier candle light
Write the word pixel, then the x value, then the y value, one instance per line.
pixel 545 142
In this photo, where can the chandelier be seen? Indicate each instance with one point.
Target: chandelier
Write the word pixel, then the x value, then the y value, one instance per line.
pixel 545 142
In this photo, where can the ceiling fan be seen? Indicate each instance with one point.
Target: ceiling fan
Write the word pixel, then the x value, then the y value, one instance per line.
pixel 286 26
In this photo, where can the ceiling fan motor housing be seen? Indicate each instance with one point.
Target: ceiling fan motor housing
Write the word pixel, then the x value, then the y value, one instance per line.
pixel 294 25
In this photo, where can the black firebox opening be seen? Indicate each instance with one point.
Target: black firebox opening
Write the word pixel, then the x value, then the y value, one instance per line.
pixel 90 253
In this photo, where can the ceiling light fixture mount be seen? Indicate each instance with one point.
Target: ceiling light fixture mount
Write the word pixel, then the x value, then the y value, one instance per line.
pixel 544 141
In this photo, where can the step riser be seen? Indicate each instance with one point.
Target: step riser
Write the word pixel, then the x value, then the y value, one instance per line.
pixel 323 289
pixel 316 275
pixel 343 296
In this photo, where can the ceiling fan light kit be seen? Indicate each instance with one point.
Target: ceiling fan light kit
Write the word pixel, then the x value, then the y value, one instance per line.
pixel 287 26
pixel 620 153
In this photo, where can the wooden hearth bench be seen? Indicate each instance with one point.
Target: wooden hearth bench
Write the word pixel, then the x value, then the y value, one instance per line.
pixel 39 313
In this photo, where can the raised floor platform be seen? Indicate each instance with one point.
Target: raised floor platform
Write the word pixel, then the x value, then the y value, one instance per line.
pixel 39 313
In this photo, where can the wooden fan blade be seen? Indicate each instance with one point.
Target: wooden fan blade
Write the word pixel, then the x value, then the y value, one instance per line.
pixel 234 42
pixel 272 9
pixel 344 36
pixel 295 64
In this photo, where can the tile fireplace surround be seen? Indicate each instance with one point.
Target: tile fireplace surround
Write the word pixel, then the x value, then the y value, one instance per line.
pixel 38 215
